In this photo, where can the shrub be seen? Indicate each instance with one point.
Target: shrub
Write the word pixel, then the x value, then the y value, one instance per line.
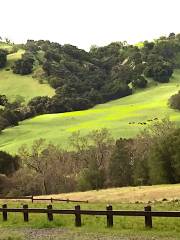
pixel 141 82
pixel 24 66
pixel 174 101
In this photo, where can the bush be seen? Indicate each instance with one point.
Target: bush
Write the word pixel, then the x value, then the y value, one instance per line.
pixel 174 101
pixel 141 82
pixel 160 71
pixel 24 66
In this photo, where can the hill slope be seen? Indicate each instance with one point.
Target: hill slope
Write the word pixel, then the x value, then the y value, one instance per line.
pixel 13 85
pixel 116 115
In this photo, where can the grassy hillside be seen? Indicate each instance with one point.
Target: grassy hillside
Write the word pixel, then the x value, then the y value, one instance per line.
pixel 125 194
pixel 116 115
pixel 7 46
pixel 26 86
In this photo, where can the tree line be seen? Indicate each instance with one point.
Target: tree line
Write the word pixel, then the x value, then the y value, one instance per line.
pixel 96 161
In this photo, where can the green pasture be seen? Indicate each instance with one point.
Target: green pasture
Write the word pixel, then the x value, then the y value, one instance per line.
pixel 163 228
pixel 116 116
pixel 139 44
pixel 13 85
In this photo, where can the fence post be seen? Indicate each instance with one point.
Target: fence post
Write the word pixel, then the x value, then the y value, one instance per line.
pixel 109 216
pixel 32 199
pixel 148 217
pixel 26 213
pixel 50 214
pixel 77 216
pixel 51 200
pixel 4 206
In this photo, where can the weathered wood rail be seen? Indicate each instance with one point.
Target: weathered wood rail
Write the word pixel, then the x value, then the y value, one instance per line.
pixel 33 199
pixel 77 212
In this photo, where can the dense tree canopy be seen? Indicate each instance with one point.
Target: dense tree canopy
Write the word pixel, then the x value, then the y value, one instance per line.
pixel 103 73
pixel 82 79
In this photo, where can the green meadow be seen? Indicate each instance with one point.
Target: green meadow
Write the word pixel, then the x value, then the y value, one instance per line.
pixel 116 116
pixel 13 85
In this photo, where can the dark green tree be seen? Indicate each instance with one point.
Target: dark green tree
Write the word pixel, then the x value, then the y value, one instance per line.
pixel 3 58
pixel 3 100
pixel 8 163
pixel 91 178
pixel 140 82
pixel 41 105
pixel 120 168
pixel 24 65
pixel 164 160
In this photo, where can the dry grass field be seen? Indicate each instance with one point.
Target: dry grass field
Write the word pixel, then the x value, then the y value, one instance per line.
pixel 126 194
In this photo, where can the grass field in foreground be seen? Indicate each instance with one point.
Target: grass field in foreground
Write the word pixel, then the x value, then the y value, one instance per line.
pixel 115 115
pixel 94 227
pixel 13 85
pixel 124 227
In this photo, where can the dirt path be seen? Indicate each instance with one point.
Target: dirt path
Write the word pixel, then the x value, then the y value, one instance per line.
pixel 53 234
pixel 62 234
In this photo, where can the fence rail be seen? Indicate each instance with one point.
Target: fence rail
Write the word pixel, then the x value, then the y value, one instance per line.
pixel 77 212
pixel 32 199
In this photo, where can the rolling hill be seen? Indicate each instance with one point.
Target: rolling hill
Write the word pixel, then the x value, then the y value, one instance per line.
pixel 117 116
pixel 13 85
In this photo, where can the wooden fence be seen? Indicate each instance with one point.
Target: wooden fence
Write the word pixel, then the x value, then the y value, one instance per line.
pixel 33 199
pixel 77 212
